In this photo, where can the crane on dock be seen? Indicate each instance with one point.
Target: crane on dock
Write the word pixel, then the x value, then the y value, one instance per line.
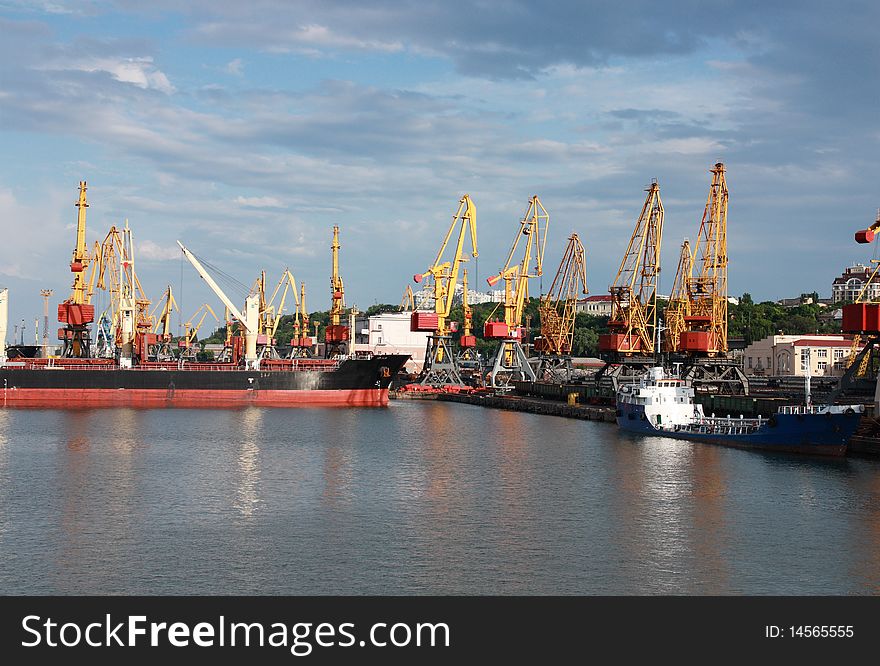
pixel 678 306
pixel 163 351
pixel 441 365
pixel 557 310
pixel 706 323
pixel 187 344
pixel 862 319
pixel 76 313
pixel 467 341
pixel 629 345
pixel 701 346
pixel 336 335
pixel 511 361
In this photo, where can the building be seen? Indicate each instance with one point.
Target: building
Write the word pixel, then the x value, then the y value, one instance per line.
pixel 777 355
pixel 849 285
pixel 388 333
pixel 599 306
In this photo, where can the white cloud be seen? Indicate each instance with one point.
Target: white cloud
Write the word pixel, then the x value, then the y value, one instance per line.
pixel 140 72
pixel 235 67
pixel 151 250
pixel 259 202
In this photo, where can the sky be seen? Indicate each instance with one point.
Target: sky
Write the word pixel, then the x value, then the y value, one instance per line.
pixel 247 130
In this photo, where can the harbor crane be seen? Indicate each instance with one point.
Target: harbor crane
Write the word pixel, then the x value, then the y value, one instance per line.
pixel 76 313
pixel 557 311
pixel 678 306
pixel 301 343
pixel 162 330
pixel 862 320
pixel 249 319
pixel 629 345
pixel 511 361
pixel 336 335
pixel 441 365
pixel 187 343
pixel 467 341
pixel 699 326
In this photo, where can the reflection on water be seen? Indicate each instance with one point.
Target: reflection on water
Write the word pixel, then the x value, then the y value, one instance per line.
pixel 417 498
pixel 248 467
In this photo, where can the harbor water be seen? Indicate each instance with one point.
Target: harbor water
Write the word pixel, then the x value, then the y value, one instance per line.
pixel 418 498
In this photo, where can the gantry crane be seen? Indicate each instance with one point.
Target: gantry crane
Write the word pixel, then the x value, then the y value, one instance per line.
pixel 336 335
pixel 629 345
pixel 706 323
pixel 511 361
pixel 441 365
pixel 557 311
pixel 678 306
pixel 76 313
pixel 702 345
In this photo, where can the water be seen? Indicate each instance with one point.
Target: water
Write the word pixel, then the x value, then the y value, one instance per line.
pixel 419 498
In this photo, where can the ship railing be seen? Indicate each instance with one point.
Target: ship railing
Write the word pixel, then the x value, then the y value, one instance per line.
pixel 801 409
pixel 290 366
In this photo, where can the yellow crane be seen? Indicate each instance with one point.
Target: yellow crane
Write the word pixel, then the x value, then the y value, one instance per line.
pixel 163 321
pixel 510 360
pixel 467 341
pixel 633 322
pixel 557 309
pixel 408 302
pixel 161 349
pixel 678 306
pixel 336 335
pixel 76 313
pixel 441 366
pixel 706 323
pixel 190 331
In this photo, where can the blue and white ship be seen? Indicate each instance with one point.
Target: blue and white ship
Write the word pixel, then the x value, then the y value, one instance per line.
pixel 663 405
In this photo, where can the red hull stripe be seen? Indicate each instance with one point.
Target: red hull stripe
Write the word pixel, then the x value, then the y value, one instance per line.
pixel 72 398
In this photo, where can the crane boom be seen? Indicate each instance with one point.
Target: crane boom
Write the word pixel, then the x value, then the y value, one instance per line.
pixel 557 308
pixel 216 289
pixel 441 366
pixel 534 226
pixel 80 252
pixel 678 306
pixel 510 360
pixel 633 321
pixel 707 321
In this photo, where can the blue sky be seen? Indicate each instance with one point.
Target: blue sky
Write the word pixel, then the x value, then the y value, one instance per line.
pixel 247 130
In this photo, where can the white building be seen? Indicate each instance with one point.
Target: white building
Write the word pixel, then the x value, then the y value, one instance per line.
pixel 850 283
pixel 825 355
pixel 599 305
pixel 388 333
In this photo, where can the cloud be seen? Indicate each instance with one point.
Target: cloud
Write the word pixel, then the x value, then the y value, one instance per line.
pixel 259 202
pixel 148 249
pixel 414 106
pixel 140 72
pixel 235 67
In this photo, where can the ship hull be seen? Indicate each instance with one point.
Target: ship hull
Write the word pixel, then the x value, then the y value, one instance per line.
pixel 813 434
pixel 355 383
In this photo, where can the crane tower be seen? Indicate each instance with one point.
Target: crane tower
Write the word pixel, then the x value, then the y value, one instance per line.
pixel 511 361
pixel 441 365
pixel 557 311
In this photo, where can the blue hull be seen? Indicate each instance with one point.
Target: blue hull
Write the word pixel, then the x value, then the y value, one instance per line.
pixel 817 434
